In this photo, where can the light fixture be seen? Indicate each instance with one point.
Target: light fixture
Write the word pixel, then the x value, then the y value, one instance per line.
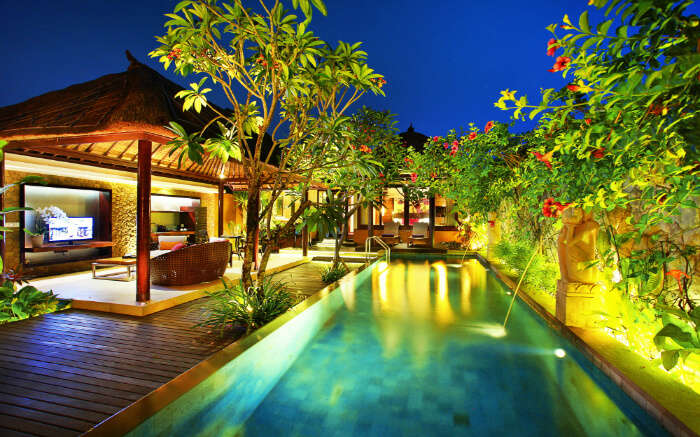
pixel 559 353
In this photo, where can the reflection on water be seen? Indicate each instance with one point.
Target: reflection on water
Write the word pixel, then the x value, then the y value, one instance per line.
pixel 419 349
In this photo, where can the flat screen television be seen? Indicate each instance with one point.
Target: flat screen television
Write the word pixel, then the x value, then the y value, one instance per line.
pixel 70 229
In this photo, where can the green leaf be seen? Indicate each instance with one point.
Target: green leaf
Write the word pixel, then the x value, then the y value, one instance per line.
pixel 670 358
pixel 583 22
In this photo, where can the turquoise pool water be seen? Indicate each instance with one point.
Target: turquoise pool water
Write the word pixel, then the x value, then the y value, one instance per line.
pixel 417 348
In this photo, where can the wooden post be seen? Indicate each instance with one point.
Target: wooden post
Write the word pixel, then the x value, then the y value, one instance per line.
pixel 256 237
pixel 143 222
pixel 221 209
pixel 431 219
pixel 406 210
pixel 370 222
pixel 2 221
pixel 305 230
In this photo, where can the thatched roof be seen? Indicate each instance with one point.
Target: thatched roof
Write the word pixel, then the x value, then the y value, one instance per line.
pixel 413 138
pixel 100 122
pixel 137 99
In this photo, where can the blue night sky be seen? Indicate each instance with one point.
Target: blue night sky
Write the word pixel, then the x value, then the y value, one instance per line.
pixel 445 61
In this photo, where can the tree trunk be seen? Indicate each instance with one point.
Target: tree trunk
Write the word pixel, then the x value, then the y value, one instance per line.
pixel 252 230
pixel 268 250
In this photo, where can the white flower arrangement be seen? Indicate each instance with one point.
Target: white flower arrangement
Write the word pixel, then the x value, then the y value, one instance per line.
pixel 43 215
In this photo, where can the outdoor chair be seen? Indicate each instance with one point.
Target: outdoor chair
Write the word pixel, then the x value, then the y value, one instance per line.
pixel 192 264
pixel 419 234
pixel 391 233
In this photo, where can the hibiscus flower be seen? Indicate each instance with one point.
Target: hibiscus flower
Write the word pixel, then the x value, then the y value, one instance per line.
pixel 414 177
pixel 561 63
pixel 573 88
pixel 546 158
pixel 472 135
pixel 678 275
pixel 598 153
pixel 552 46
pixel 488 127
pixel 435 139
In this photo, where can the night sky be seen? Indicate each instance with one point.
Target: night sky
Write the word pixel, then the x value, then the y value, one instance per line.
pixel 445 61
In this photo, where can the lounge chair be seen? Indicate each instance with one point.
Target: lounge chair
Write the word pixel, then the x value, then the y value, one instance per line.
pixel 192 264
pixel 419 234
pixel 391 233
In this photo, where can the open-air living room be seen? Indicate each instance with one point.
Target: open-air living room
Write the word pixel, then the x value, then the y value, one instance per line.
pixel 482 220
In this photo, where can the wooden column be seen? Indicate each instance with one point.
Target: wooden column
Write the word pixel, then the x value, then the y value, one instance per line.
pixel 431 219
pixel 406 211
pixel 220 221
pixel 143 222
pixel 305 230
pixel 370 221
pixel 2 220
pixel 256 236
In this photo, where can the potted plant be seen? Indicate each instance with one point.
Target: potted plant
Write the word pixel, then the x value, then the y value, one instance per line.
pixel 41 223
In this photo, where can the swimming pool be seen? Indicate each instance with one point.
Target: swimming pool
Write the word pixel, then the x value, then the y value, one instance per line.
pixel 417 348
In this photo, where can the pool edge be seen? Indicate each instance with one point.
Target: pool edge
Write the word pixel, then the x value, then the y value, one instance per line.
pixel 648 403
pixel 136 413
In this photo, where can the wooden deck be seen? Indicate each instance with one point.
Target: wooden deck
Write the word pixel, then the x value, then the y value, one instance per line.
pixel 63 373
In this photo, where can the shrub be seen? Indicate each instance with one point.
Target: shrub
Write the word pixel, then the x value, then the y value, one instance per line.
pixel 542 274
pixel 333 273
pixel 252 308
pixel 26 302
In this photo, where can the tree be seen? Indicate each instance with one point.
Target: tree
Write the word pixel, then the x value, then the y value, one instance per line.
pixel 280 78
pixel 378 153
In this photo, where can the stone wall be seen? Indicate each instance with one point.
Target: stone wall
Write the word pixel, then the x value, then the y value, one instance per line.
pixel 123 219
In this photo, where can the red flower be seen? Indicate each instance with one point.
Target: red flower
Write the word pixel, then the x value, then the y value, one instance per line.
pixel 433 175
pixel 381 175
pixel 561 63
pixel 446 145
pixel 678 275
pixel 588 121
pixel 546 158
pixel 455 143
pixel 435 139
pixel 408 161
pixel 414 177
pixel 552 208
pixel 472 135
pixel 552 46
pixel 598 153
pixel 174 54
pixel 455 149
pixel 573 88
pixel 488 127
pixel 492 223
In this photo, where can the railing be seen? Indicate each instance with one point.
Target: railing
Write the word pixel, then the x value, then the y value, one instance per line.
pixel 387 249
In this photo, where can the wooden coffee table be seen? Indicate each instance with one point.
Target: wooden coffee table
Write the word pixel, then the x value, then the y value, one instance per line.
pixel 129 263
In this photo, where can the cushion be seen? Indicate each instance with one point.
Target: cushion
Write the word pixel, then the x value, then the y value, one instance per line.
pixel 417 236
pixel 178 246
pixel 166 242
pixel 388 235
pixel 168 245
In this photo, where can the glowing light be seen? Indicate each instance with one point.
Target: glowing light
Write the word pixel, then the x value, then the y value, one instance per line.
pixel 559 353
pixel 443 310
pixel 617 276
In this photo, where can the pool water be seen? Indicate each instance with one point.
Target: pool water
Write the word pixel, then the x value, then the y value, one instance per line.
pixel 418 349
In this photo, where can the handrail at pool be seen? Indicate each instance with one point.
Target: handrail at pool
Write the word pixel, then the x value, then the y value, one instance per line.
pixel 387 249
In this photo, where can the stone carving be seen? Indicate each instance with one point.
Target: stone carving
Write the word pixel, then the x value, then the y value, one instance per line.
pixel 578 294
pixel 577 246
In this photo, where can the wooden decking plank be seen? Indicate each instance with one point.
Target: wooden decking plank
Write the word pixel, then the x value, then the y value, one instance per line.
pixel 35 393
pixel 133 384
pixel 20 424
pixel 100 351
pixel 6 432
pixel 161 348
pixel 67 392
pixel 124 370
pixel 51 408
pixel 45 418
pixel 144 351
pixel 66 379
pixel 80 360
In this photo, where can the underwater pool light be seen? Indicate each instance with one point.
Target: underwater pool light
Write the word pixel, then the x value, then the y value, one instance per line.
pixel 559 353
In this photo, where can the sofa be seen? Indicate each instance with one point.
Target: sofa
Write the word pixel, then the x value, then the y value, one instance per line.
pixel 191 264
